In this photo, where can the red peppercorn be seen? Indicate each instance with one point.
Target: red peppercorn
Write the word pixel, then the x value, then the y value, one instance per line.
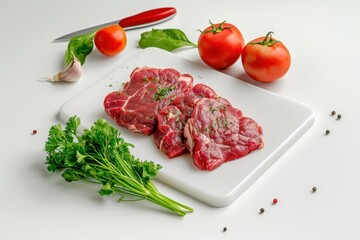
pixel 275 201
pixel 34 131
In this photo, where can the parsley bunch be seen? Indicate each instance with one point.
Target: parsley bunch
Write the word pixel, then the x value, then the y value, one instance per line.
pixel 99 155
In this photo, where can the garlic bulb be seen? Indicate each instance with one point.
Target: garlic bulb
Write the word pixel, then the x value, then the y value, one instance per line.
pixel 71 73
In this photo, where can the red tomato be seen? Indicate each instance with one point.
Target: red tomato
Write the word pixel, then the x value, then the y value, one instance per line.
pixel 266 59
pixel 110 40
pixel 220 45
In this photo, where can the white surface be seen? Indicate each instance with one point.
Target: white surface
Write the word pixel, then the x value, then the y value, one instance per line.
pixel 282 120
pixel 322 38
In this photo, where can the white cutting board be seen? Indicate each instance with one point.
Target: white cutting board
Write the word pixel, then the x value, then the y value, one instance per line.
pixel 283 122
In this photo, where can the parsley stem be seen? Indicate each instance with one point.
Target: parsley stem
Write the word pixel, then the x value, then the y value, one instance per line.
pixel 101 156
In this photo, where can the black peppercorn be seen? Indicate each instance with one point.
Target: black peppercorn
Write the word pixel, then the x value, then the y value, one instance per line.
pixel 327 132
pixel 333 113
pixel 262 210
pixel 338 116
pixel 314 189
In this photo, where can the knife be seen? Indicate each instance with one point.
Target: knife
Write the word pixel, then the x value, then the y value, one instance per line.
pixel 140 20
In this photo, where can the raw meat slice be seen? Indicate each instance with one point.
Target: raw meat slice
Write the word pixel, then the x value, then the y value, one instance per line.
pixel 187 100
pixel 148 91
pixel 169 137
pixel 216 133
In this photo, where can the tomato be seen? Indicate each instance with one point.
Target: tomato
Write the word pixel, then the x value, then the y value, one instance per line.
pixel 110 40
pixel 265 59
pixel 220 45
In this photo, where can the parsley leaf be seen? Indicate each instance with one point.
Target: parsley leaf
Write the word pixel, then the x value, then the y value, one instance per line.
pixel 100 155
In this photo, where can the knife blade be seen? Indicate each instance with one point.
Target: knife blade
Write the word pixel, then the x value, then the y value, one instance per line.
pixel 140 20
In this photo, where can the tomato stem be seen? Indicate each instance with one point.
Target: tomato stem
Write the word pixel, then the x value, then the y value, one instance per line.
pixel 268 40
pixel 215 29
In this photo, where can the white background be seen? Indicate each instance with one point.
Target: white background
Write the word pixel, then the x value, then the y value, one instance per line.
pixel 322 37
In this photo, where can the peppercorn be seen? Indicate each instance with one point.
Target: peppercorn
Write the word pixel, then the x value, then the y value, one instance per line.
pixel 338 117
pixel 224 229
pixel 314 189
pixel 262 210
pixel 275 201
pixel 34 131
pixel 327 132
pixel 333 113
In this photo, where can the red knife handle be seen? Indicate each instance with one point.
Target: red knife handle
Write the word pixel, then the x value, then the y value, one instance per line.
pixel 148 17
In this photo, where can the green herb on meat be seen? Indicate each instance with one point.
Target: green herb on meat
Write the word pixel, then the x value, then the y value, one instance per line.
pixel 99 155
pixel 148 80
pixel 167 39
pixel 162 93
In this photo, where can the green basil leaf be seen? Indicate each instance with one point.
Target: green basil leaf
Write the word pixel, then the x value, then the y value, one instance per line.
pixel 167 39
pixel 80 47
